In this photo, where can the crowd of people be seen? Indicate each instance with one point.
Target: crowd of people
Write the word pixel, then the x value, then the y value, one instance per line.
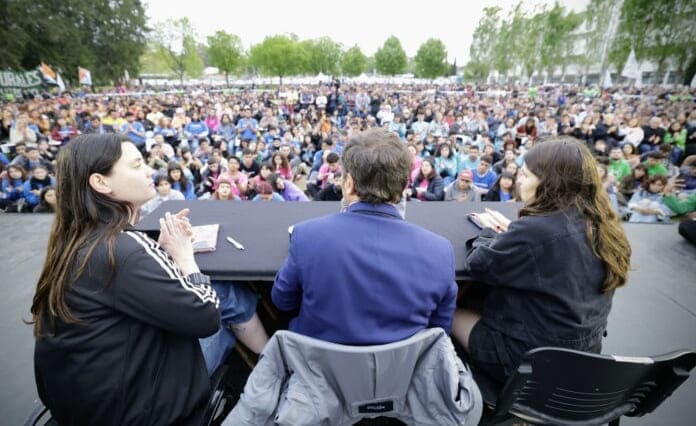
pixel 577 160
pixel 467 144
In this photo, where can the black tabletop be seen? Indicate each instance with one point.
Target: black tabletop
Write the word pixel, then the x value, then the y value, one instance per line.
pixel 262 228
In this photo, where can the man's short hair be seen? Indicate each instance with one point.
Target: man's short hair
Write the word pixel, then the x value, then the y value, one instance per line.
pixel 487 158
pixel 380 165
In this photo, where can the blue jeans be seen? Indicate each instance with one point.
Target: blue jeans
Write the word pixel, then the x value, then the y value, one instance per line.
pixel 237 305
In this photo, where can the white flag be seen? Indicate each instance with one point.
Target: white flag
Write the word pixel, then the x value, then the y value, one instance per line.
pixel 84 76
pixel 61 85
pixel 631 69
pixel 607 80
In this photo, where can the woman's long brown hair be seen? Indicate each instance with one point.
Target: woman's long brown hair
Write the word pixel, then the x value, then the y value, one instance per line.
pixel 84 218
pixel 568 178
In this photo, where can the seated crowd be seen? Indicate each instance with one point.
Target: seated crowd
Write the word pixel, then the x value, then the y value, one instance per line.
pixel 465 145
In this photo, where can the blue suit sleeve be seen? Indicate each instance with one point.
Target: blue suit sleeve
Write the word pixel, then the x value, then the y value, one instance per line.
pixel 444 312
pixel 287 288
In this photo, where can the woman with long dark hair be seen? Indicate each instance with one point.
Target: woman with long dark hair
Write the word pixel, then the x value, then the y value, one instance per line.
pixel 504 189
pixel 428 185
pixel 116 315
pixel 552 274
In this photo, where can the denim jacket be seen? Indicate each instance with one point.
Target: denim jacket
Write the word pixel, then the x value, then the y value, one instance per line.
pixel 545 282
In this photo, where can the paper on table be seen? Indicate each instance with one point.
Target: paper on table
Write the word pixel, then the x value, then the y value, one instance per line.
pixel 205 238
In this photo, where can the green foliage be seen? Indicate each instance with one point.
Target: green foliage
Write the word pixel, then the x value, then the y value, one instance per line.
pixel 353 62
pixel 431 59
pixel 557 36
pixel 543 40
pixel 152 62
pixel 226 53
pixel 175 42
pixel 483 49
pixel 391 59
pixel 105 36
pixel 659 30
pixel 321 56
pixel 278 55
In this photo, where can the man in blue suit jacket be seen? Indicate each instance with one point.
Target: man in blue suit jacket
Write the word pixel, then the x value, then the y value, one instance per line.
pixel 366 276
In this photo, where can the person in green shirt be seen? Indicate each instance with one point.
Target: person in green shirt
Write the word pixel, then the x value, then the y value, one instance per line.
pixel 618 166
pixel 687 206
pixel 654 164
pixel 676 136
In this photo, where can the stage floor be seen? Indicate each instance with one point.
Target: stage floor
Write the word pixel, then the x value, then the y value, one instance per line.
pixel 654 314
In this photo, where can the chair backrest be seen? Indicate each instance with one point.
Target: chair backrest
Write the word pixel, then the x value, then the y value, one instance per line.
pixel 370 379
pixel 301 381
pixel 564 386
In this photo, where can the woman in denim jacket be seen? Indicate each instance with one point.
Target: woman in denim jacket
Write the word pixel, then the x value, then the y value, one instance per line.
pixel 551 274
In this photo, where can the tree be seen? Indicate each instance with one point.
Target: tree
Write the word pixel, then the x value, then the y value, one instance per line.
pixel 353 62
pixel 321 56
pixel 225 52
pixel 278 55
pixel 661 30
pixel 391 59
pixel 558 30
pixel 483 44
pixel 105 36
pixel 431 59
pixel 176 44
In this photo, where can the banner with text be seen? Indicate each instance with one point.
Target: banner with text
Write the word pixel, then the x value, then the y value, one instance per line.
pixel 16 82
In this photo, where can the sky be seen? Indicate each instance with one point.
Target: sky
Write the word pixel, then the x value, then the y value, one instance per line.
pixel 365 23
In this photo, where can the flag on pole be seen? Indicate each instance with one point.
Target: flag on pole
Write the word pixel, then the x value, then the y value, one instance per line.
pixel 632 69
pixel 59 82
pixel 85 77
pixel 48 74
pixel 607 80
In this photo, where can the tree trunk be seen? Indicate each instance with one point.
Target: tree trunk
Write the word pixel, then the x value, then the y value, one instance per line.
pixel 227 79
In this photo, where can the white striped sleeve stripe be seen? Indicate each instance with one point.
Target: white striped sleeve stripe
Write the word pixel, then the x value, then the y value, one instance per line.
pixel 155 247
pixel 204 292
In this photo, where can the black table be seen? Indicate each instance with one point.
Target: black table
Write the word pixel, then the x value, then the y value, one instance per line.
pixel 263 230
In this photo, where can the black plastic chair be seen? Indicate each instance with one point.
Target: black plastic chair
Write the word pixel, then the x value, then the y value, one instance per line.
pixel 40 415
pixel 567 387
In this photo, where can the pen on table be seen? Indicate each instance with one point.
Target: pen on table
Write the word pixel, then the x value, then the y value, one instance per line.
pixel 235 243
